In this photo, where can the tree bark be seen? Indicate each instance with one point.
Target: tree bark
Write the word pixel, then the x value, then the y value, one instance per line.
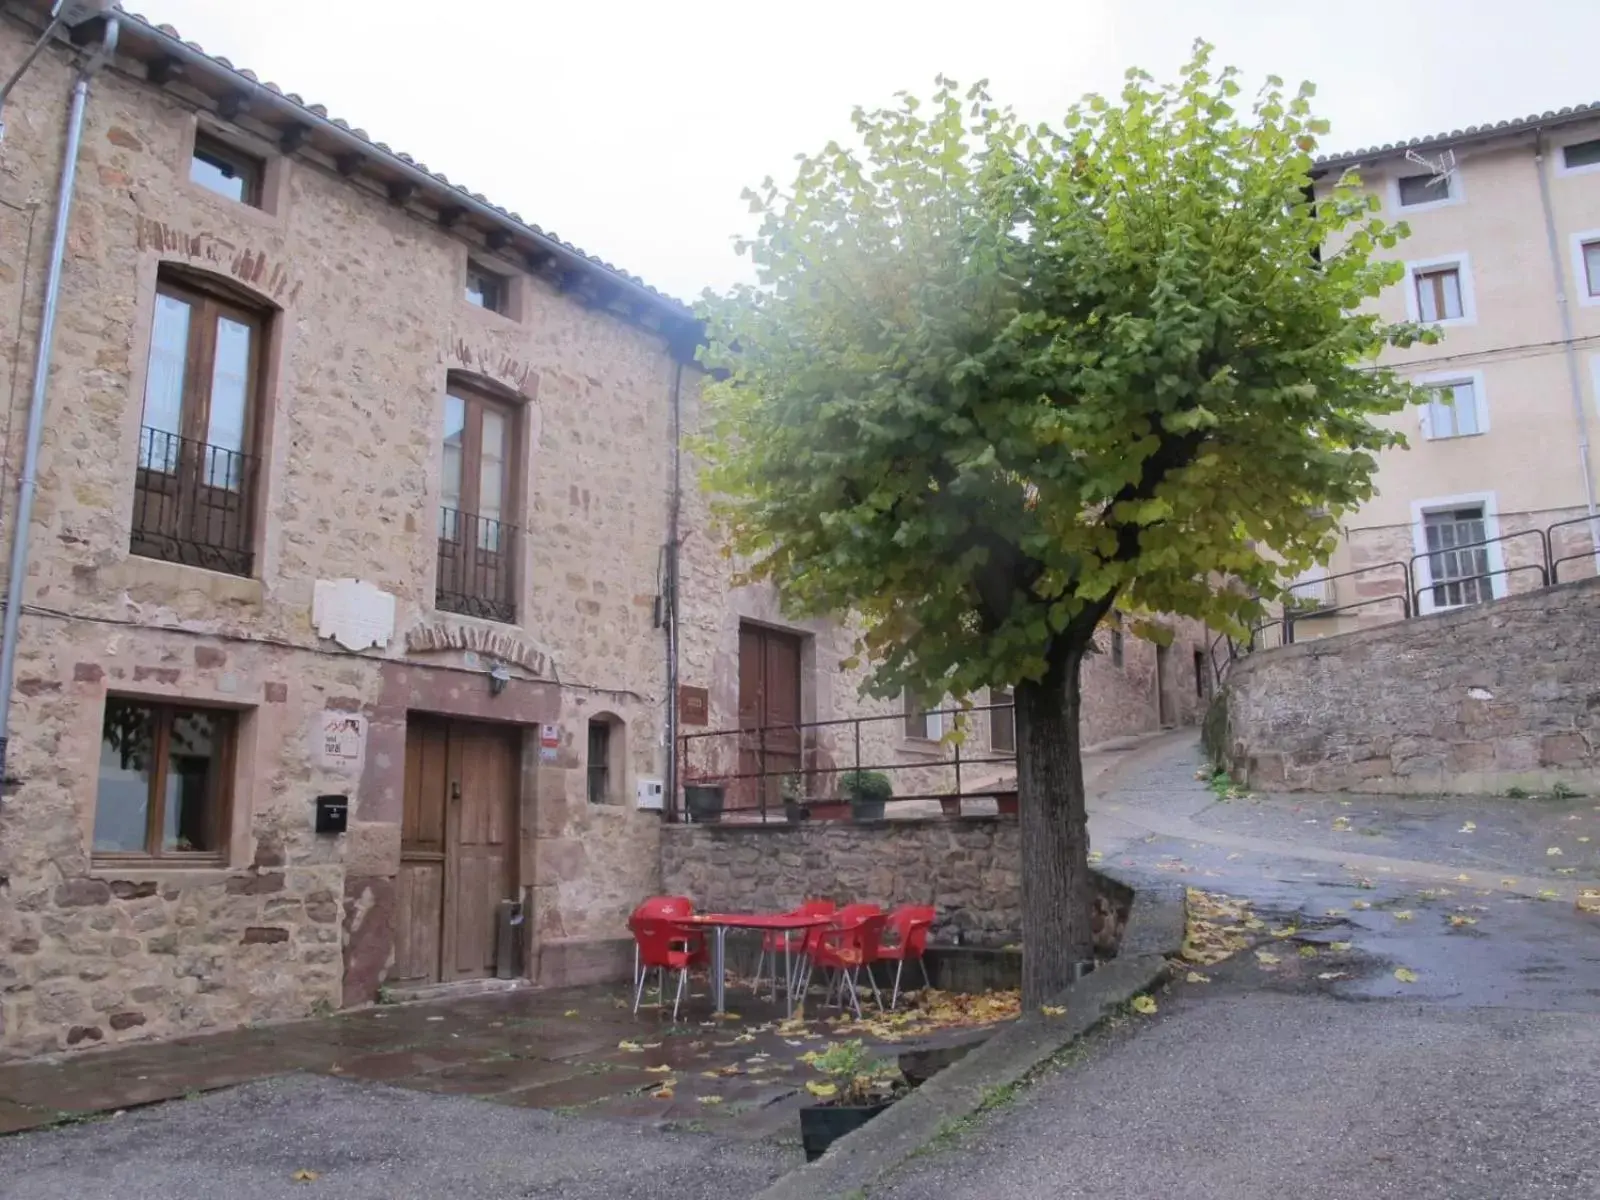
pixel 1056 896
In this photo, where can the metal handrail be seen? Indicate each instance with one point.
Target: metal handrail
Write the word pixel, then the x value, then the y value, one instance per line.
pixel 1543 566
pixel 1544 581
pixel 1593 552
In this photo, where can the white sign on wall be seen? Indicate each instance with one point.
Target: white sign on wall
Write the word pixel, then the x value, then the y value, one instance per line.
pixel 342 738
pixel 352 612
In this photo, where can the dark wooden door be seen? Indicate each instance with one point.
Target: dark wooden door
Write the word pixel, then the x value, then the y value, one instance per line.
pixel 769 714
pixel 457 847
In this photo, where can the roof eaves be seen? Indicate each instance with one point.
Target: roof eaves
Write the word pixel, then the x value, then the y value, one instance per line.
pixel 1472 133
pixel 167 39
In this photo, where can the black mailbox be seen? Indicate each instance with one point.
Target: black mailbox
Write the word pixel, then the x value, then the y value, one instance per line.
pixel 333 813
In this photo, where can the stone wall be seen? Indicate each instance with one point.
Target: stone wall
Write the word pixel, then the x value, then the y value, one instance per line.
pixel 968 868
pixel 1480 699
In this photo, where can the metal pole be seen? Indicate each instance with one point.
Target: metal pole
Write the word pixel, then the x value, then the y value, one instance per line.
pixel 761 769
pixel 958 763
pixel 17 582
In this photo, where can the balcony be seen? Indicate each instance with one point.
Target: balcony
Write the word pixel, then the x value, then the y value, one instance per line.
pixel 193 503
pixel 477 557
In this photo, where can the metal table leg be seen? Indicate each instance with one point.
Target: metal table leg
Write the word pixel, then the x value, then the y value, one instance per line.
pixel 788 979
pixel 719 954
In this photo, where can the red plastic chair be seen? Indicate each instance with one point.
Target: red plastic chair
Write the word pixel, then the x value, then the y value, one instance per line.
pixel 848 945
pixel 790 941
pixel 661 906
pixel 662 943
pixel 908 926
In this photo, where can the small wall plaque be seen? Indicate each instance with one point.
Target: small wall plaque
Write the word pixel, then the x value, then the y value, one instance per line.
pixel 694 705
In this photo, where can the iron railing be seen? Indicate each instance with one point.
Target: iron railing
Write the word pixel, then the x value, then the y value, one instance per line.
pixel 477 558
pixel 763 771
pixel 193 503
pixel 1280 630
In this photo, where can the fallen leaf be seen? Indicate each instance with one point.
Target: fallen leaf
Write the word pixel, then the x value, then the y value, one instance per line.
pixel 1333 975
pixel 1334 912
pixel 664 1092
pixel 1404 914
pixel 1553 852
pixel 1469 827
pixel 710 1099
pixel 1144 1004
pixel 1405 974
pixel 663 1069
pixel 1053 1010
pixel 1196 977
pixel 1583 839
pixel 1566 870
pixel 303 1176
pixel 631 1047
pixel 1235 857
pixel 1463 878
pixel 1308 951
pixel 1508 883
pixel 1267 958
pixel 1366 883
pixel 571 1012
pixel 1341 825
pixel 1339 947
pixel 1361 905
pixel 1548 893
pixel 821 1090
pixel 1096 856
pixel 1459 921
pixel 728 1016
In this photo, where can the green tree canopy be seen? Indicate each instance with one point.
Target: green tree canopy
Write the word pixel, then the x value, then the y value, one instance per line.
pixel 995 378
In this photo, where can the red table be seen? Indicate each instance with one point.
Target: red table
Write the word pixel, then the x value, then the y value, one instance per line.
pixel 720 923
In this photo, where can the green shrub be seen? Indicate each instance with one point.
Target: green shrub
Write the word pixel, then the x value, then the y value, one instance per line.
pixel 866 786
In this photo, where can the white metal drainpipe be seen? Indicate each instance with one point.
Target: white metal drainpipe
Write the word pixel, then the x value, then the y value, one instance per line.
pixel 1574 379
pixel 17 581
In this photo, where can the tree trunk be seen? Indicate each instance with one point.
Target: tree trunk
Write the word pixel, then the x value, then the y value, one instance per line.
pixel 1056 897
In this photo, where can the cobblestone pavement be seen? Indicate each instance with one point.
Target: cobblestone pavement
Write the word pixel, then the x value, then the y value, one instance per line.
pixel 1312 1068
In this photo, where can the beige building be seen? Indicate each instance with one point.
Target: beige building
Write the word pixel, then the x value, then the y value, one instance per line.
pixel 1504 260
pixel 348 631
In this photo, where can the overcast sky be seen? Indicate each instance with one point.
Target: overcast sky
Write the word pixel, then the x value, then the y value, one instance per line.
pixel 629 128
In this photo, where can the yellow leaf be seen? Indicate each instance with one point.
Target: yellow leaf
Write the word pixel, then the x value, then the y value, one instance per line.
pixel 1458 921
pixel 1338 947
pixel 745 1037
pixel 821 1090
pixel 1196 977
pixel 710 1099
pixel 1334 975
pixel 661 1070
pixel 1286 931
pixel 1463 878
pixel 631 1047
pixel 1144 1004
pixel 1583 839
pixel 1548 893
pixel 1268 959
pixel 1405 974
pixel 664 1092
pixel 1403 915
pixel 571 1012
pixel 1468 827
pixel 1334 912
pixel 1308 951
pixel 304 1176
pixel 1053 1010
pixel 1361 905
pixel 1554 851
pixel 1566 870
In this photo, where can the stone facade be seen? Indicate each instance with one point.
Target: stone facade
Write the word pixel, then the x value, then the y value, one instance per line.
pixel 968 868
pixel 1481 699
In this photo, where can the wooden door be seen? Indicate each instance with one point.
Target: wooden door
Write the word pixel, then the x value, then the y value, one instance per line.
pixel 769 709
pixel 457 847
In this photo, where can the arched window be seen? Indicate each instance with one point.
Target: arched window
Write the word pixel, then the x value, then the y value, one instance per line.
pixel 607 771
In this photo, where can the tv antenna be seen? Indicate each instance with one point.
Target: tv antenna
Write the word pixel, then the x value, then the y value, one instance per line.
pixel 1440 168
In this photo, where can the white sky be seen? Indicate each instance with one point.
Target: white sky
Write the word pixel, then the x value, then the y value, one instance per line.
pixel 629 128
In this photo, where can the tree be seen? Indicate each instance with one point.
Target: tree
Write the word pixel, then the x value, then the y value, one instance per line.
pixel 995 379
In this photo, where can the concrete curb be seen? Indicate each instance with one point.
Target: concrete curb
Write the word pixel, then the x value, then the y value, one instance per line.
pixel 1010 1056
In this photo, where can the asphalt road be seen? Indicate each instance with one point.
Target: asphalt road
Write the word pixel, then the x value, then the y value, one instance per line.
pixel 371 1142
pixel 1320 1074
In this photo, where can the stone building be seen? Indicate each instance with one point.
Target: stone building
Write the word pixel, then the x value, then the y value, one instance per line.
pixel 348 615
pixel 1504 261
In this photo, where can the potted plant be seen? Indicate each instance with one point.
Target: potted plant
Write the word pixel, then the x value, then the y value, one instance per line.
pixel 793 794
pixel 866 791
pixel 854 1089
pixel 703 801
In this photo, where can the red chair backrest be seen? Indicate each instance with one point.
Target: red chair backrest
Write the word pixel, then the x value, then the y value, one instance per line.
pixel 663 906
pixel 660 940
pixel 854 912
pixel 911 923
pixel 849 915
pixel 813 908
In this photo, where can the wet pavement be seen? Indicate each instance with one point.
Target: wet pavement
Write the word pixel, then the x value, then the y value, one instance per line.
pixel 1415 1018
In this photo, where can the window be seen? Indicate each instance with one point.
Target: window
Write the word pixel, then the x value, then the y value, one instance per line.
pixel 1426 188
pixel 1458 569
pixel 1002 722
pixel 1590 280
pixel 922 724
pixel 476 544
pixel 485 289
pixel 1581 154
pixel 165 782
pixel 599 761
pixel 1116 647
pixel 194 491
pixel 1439 294
pixel 1453 410
pixel 220 168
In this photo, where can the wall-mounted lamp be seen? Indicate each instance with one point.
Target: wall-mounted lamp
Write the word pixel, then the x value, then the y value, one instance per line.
pixel 498 678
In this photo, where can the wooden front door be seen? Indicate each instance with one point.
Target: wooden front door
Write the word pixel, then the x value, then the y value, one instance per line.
pixel 457 847
pixel 769 713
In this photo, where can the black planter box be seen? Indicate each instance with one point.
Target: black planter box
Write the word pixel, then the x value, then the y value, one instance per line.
pixel 821 1125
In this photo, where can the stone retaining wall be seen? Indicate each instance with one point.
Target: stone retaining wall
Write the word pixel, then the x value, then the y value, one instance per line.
pixel 968 868
pixel 1481 699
